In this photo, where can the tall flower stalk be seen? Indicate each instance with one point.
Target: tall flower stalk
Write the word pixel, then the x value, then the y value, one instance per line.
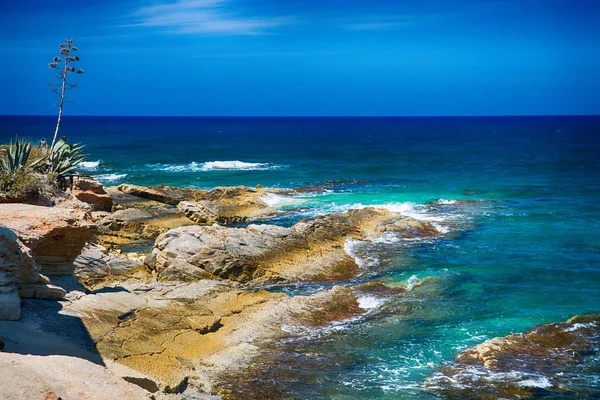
pixel 64 66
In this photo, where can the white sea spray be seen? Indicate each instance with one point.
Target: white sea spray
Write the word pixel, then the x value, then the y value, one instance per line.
pixel 90 165
pixel 369 302
pixel 411 282
pixel 212 166
pixel 110 177
pixel 278 201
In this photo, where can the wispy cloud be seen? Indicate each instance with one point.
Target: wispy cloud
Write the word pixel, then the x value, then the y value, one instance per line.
pixel 386 23
pixel 203 16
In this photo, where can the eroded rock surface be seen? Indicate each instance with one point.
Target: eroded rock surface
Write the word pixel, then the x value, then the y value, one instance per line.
pixel 92 192
pixel 20 277
pixel 229 205
pixel 550 359
pixel 187 334
pixel 96 266
pixel 61 377
pixel 55 235
pixel 164 194
pixel 309 250
pixel 130 226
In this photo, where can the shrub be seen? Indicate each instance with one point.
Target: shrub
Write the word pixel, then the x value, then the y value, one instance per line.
pixel 26 185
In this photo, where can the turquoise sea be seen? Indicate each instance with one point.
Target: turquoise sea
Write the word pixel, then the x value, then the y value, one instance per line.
pixel 527 253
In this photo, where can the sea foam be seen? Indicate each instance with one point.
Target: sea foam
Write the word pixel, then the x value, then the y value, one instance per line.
pixel 369 302
pixel 110 177
pixel 90 165
pixel 277 201
pixel 213 166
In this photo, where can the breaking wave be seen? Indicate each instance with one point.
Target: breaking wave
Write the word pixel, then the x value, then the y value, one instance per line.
pixel 213 166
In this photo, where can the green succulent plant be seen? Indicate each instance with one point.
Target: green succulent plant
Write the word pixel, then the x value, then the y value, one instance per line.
pixel 17 157
pixel 64 158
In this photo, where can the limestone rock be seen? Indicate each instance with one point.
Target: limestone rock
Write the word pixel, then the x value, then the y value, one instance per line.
pixel 61 377
pixel 54 235
pixel 134 225
pixel 173 332
pixel 96 265
pixel 310 250
pixel 410 228
pixel 92 192
pixel 164 194
pixel 229 205
pixel 20 277
pixel 550 359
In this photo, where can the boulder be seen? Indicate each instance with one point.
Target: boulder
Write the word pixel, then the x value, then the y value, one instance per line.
pixel 309 250
pixel 96 265
pixel 548 360
pixel 55 235
pixel 92 192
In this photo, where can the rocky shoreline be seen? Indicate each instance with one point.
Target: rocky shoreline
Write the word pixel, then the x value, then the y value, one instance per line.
pixel 155 292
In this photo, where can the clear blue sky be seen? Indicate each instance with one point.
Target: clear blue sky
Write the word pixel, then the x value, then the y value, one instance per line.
pixel 306 57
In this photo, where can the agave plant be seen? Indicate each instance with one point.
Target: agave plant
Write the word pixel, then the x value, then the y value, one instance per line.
pixel 17 157
pixel 64 158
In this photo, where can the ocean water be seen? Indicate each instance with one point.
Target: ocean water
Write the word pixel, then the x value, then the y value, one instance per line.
pixel 526 252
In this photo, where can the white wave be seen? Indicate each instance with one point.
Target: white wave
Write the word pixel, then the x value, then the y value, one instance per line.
pixel 276 200
pixel 350 247
pixel 539 382
pixel 235 165
pixel 369 302
pixel 213 166
pixel 386 238
pixel 110 177
pixel 408 209
pixel 412 282
pixel 577 326
pixel 90 165
pixel 446 201
pixel 441 228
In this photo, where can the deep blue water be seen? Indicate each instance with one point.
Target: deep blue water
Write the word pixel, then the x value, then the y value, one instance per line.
pixel 528 254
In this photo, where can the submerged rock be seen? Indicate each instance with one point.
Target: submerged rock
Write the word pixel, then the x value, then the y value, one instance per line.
pixel 309 250
pixel 550 359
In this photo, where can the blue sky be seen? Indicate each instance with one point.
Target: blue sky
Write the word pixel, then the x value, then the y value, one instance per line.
pixel 310 57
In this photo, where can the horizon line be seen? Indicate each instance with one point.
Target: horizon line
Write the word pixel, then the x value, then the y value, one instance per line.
pixel 306 116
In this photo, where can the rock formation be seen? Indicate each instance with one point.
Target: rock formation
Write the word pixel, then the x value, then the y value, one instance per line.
pixel 180 334
pixel 20 277
pixel 54 235
pixel 132 226
pixel 547 360
pixel 229 205
pixel 96 266
pixel 309 250
pixel 91 192
pixel 60 377
pixel 163 194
